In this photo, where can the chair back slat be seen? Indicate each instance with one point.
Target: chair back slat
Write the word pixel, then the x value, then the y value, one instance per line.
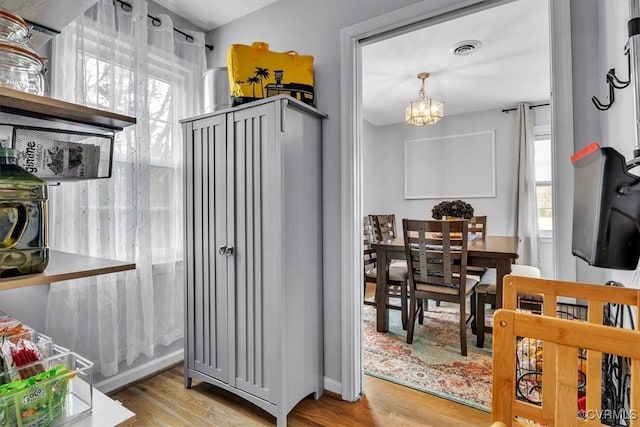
pixel 368 237
pixel 478 226
pixel 435 257
pixel 384 226
pixel 368 231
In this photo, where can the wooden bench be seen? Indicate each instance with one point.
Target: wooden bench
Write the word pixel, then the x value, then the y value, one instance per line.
pixel 563 339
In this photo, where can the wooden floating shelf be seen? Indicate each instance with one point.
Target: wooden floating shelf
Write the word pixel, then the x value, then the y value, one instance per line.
pixel 27 104
pixel 67 266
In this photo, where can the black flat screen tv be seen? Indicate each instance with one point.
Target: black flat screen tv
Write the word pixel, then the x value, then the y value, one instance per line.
pixel 606 209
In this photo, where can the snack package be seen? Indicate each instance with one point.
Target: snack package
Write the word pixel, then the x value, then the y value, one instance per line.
pixel 32 405
pixel 7 406
pixel 10 371
pixel 7 413
pixel 34 402
pixel 14 330
pixel 24 354
pixel 49 158
pixel 58 390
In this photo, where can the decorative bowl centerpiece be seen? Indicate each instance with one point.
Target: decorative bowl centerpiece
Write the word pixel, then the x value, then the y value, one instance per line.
pixel 452 209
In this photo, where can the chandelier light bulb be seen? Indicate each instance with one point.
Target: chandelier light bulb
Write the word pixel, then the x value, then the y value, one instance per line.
pixel 424 111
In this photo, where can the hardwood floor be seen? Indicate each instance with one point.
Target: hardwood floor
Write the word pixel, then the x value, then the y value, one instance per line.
pixel 162 400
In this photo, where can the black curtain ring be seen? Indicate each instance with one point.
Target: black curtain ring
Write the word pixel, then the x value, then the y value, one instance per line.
pixel 125 6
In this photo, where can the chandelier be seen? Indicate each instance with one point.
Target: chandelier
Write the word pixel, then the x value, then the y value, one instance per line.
pixel 424 111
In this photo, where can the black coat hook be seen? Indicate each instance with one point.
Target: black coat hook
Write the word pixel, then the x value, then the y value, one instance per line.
pixel 614 83
pixel 599 105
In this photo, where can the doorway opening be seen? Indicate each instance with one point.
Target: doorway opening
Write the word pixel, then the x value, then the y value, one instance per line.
pixel 354 40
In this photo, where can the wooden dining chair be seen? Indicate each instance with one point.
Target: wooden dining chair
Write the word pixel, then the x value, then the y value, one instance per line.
pixel 384 226
pixel 485 293
pixel 396 278
pixel 437 264
pixel 477 230
pixel 478 226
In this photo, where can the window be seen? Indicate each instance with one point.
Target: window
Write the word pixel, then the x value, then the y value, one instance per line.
pixel 163 153
pixel 542 147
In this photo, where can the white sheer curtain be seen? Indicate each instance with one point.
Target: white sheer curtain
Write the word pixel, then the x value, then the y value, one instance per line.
pixel 527 210
pixel 118 60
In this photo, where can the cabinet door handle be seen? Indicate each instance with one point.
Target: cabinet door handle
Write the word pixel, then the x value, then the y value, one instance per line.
pixel 225 250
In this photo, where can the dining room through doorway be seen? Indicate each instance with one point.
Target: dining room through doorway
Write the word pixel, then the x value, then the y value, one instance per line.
pixel 508 65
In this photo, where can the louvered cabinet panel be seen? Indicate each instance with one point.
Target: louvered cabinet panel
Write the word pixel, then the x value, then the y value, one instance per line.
pixel 256 343
pixel 206 228
pixel 253 233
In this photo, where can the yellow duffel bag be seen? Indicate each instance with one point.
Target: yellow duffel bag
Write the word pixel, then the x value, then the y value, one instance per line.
pixel 255 72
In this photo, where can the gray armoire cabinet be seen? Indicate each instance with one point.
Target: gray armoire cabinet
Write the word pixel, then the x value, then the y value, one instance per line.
pixel 253 252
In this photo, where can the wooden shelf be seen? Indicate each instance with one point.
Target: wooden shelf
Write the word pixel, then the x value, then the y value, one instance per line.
pixel 66 266
pixel 27 104
pixel 105 412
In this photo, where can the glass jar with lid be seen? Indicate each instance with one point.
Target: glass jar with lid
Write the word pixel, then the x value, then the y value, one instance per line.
pixel 21 68
pixel 13 28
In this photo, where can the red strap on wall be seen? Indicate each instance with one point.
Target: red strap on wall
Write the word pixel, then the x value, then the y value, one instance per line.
pixel 594 146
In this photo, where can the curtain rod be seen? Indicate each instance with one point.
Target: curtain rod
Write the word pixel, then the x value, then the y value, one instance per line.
pixel 506 110
pixel 156 22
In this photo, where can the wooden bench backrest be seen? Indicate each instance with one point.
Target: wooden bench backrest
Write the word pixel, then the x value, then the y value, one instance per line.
pixel 549 292
pixel 567 336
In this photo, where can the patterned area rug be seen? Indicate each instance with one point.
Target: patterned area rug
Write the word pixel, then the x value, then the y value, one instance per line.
pixel 433 362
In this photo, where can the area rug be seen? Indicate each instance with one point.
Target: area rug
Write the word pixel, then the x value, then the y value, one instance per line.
pixel 432 363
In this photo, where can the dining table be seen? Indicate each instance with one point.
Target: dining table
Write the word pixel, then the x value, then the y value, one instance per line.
pixel 497 252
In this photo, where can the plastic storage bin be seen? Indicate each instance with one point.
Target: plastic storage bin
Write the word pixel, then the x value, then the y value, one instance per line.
pixel 44 343
pixel 58 391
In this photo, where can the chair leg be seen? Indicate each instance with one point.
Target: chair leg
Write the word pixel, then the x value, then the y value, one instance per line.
pixel 412 319
pixel 463 329
pixel 403 305
pixel 480 303
pixel 473 313
pixel 423 303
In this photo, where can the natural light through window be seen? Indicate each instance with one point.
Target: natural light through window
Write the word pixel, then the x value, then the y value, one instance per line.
pixel 543 179
pixel 163 166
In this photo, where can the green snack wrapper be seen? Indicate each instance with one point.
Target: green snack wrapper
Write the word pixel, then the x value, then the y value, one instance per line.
pixel 58 390
pixel 32 405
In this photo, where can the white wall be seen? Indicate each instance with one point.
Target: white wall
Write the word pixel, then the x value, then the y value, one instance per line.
pixel 383 169
pixel 384 152
pixel 618 129
pixel 599 34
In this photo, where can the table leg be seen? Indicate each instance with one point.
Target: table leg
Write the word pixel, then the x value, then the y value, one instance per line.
pixel 503 267
pixel 382 297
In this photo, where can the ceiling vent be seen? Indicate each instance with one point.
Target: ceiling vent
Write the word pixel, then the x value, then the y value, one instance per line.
pixel 465 47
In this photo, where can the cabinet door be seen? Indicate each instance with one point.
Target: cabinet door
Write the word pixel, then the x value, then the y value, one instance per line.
pixel 256 324
pixel 206 230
